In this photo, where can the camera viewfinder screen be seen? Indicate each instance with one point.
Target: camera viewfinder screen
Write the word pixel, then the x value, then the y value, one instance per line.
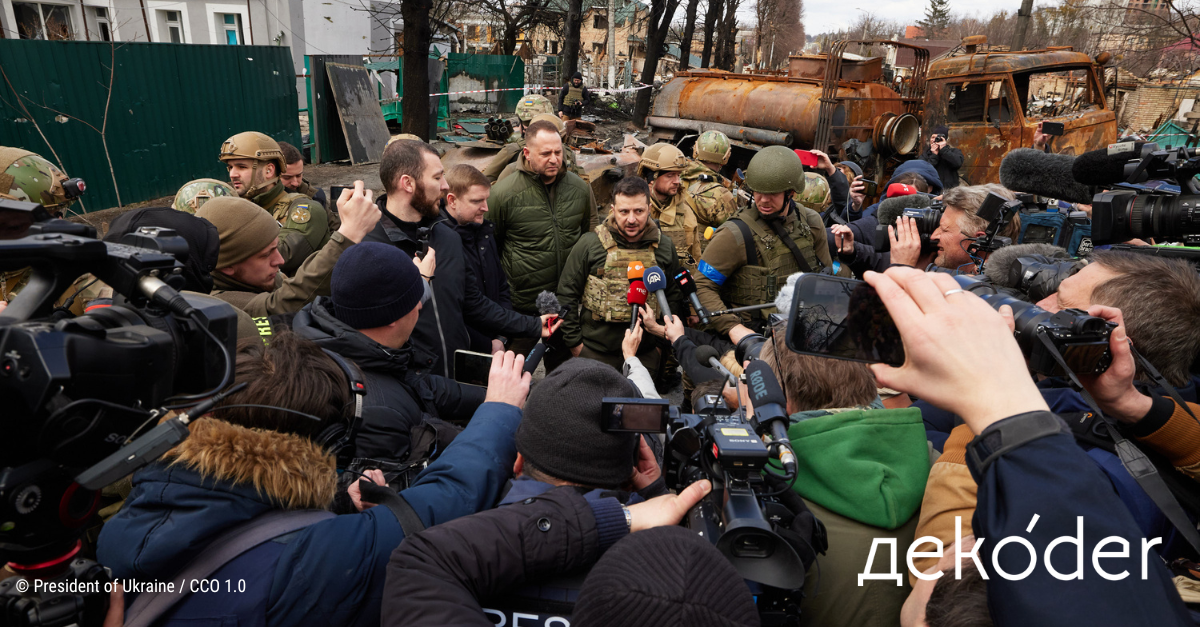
pixel 638 417
pixel 843 319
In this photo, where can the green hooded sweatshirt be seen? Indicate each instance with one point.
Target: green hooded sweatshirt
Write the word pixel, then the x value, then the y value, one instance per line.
pixel 870 466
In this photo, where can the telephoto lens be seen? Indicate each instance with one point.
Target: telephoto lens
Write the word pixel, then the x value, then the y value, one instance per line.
pixel 1121 215
pixel 1081 340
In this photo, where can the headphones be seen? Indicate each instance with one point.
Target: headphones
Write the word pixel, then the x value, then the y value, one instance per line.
pixel 337 438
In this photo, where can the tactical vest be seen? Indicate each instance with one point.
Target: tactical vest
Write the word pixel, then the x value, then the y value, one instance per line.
pixel 606 293
pixel 573 93
pixel 757 284
pixel 678 221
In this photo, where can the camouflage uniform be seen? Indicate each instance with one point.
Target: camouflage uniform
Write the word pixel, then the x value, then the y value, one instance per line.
pixel 726 278
pixel 816 194
pixel 711 199
pixel 306 223
pixel 681 218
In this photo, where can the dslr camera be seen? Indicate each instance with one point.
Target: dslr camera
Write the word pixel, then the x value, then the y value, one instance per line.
pixel 1138 208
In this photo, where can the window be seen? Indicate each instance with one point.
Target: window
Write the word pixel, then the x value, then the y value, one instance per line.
pixel 1051 94
pixel 600 22
pixel 171 26
pixel 473 32
pixel 553 46
pixel 43 21
pixel 597 48
pixel 103 25
pixel 232 25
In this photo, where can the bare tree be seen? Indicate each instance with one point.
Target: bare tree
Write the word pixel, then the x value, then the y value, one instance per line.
pixel 689 30
pixel 711 17
pixel 513 18
pixel 661 14
pixel 778 31
pixel 727 28
pixel 417 37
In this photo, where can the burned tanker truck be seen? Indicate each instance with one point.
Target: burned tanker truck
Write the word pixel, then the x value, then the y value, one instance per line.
pixel 854 108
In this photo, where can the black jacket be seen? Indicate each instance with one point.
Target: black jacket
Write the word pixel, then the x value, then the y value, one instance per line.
pixel 947 162
pixel 442 326
pixel 397 399
pixel 482 255
pixel 441 575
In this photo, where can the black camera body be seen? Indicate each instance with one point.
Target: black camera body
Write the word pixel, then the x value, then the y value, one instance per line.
pixel 1137 210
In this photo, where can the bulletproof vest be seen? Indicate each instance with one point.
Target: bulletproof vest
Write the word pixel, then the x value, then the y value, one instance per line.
pixel 757 284
pixel 606 292
pixel 573 93
pixel 678 221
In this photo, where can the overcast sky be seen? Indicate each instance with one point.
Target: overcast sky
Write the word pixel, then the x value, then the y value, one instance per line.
pixel 822 16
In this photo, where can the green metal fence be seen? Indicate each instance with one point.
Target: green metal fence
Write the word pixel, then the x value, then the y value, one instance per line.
pixel 171 106
pixel 493 71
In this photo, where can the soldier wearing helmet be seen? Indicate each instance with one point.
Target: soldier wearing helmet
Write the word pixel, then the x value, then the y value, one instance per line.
pixel 27 177
pixel 505 161
pixel 194 194
pixel 255 163
pixel 816 194
pixel 662 166
pixel 710 193
pixel 752 254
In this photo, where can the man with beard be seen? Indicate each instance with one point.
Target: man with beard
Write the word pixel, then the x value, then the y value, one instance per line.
pixel 256 164
pixel 414 181
pixel 539 213
pixel 595 277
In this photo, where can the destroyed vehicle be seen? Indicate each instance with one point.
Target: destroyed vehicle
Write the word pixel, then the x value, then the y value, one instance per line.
pixel 992 103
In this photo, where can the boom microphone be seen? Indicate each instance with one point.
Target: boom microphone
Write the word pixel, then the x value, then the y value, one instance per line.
pixel 708 355
pixel 1001 264
pixel 890 210
pixel 656 281
pixel 1050 175
pixel 770 410
pixel 547 303
pixel 684 279
pixel 636 297
pixel 1105 167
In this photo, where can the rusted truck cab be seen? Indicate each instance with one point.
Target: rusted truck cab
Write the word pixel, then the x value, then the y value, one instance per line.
pixel 992 103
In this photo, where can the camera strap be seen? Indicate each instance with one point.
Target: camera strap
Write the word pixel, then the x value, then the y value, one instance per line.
pixel 1133 459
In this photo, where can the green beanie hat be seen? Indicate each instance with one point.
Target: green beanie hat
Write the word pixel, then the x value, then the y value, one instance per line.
pixel 243 227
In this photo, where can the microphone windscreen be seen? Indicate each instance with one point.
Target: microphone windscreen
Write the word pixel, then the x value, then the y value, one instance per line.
pixel 635 271
pixel 763 386
pixel 684 279
pixel 704 352
pixel 893 208
pixel 1105 167
pixel 1000 263
pixel 1034 172
pixel 636 294
pixel 654 278
pixel 547 303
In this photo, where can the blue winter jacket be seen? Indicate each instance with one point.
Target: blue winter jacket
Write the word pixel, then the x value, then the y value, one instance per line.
pixel 330 573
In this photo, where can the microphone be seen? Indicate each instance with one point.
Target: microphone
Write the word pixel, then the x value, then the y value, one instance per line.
pixel 890 210
pixel 684 279
pixel 636 297
pixel 1044 174
pixel 1002 264
pixel 1105 167
pixel 635 272
pixel 547 303
pixel 770 410
pixel 656 281
pixel 706 354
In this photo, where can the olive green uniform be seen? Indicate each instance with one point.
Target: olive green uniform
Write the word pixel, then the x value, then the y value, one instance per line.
pixel 292 293
pixel 306 224
pixel 594 285
pixel 504 163
pixel 725 280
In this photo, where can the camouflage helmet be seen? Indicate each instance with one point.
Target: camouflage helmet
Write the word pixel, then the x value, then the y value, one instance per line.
pixel 531 105
pixel 193 195
pixel 28 177
pixel 662 157
pixel 253 145
pixel 775 169
pixel 816 192
pixel 396 138
pixel 712 146
pixel 553 119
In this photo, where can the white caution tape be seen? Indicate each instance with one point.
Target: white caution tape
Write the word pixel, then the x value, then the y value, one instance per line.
pixel 528 88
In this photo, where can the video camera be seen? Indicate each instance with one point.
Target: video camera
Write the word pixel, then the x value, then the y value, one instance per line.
pixel 1141 210
pixel 743 517
pixel 76 390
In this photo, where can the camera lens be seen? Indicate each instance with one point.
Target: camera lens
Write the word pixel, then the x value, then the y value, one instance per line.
pixel 1039 276
pixel 1121 215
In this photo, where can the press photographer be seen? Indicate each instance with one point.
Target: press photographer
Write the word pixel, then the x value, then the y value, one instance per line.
pixel 961 224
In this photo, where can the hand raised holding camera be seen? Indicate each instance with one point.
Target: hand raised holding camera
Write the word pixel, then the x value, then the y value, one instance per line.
pixel 507 380
pixel 358 212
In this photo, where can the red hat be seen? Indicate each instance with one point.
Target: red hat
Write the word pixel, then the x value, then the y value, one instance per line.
pixel 900 189
pixel 807 158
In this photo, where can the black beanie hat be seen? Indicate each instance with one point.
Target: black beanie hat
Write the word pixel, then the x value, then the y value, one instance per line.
pixel 664 577
pixel 374 285
pixel 560 432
